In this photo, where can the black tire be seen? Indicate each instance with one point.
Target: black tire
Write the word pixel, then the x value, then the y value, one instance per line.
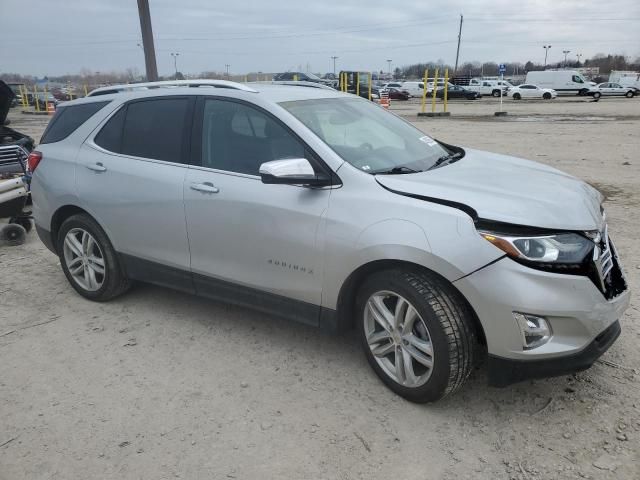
pixel 495 93
pixel 25 222
pixel 449 321
pixel 115 281
pixel 629 94
pixel 517 96
pixel 13 234
pixel 546 96
pixel 597 95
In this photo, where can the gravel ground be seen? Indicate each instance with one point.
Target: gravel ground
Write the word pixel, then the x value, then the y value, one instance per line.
pixel 158 384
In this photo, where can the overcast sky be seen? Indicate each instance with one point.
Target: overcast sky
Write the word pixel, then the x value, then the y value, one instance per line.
pixel 56 37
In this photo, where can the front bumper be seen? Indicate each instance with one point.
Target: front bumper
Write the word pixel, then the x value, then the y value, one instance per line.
pixel 504 371
pixel 576 309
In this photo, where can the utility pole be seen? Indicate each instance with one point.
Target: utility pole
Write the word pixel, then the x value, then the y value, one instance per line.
pixel 226 66
pixel 566 52
pixel 546 51
pixel 175 63
pixel 579 55
pixel 455 69
pixel 334 64
pixel 389 64
pixel 147 41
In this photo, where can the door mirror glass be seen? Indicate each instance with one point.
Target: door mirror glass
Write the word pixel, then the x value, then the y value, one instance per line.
pixel 292 171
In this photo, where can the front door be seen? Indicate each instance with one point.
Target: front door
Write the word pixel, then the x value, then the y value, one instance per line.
pixel 252 243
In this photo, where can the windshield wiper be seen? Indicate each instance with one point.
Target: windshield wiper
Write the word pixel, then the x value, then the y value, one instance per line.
pixel 446 159
pixel 396 171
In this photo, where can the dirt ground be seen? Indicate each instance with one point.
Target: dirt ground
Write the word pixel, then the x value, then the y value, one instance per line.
pixel 158 384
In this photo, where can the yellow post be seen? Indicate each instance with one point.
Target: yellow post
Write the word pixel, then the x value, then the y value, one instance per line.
pixel 23 95
pixel 35 97
pixel 424 91
pixel 446 87
pixel 370 81
pixel 358 84
pixel 295 77
pixel 246 79
pixel 85 90
pixel 435 88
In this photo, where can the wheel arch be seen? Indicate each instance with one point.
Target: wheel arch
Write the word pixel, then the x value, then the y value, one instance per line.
pixel 345 308
pixel 61 214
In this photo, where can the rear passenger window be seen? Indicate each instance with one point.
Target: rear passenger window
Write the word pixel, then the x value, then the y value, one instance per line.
pixel 68 119
pixel 155 128
pixel 110 137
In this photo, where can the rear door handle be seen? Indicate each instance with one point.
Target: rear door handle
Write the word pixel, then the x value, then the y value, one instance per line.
pixel 206 187
pixel 97 167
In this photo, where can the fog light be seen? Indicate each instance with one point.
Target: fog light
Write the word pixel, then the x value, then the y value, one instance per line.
pixel 535 330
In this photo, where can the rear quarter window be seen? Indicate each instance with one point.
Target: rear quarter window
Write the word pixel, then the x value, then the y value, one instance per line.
pixel 67 119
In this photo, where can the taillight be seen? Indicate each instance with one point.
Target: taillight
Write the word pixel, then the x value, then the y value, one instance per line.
pixel 33 160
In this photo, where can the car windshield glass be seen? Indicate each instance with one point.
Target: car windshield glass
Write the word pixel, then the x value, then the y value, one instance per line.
pixel 312 76
pixel 367 136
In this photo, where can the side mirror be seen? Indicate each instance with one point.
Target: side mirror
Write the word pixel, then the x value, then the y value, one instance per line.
pixel 292 171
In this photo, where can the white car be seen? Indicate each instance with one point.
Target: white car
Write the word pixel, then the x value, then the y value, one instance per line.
pixel 611 89
pixel 528 90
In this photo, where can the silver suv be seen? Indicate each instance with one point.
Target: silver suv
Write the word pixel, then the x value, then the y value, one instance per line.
pixel 324 208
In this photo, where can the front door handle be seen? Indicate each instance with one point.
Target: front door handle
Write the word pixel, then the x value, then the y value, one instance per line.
pixel 97 167
pixel 206 187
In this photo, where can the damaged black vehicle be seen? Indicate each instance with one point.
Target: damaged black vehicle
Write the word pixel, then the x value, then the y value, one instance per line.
pixel 14 146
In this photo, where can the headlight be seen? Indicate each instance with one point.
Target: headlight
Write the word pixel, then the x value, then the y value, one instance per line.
pixel 563 248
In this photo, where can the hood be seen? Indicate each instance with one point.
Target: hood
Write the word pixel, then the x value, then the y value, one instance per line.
pixel 6 97
pixel 506 189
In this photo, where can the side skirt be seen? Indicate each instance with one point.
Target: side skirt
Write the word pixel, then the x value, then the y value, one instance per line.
pixel 227 292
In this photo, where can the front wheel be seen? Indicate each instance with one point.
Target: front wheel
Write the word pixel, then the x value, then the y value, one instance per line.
pixel 546 96
pixel 629 94
pixel 597 95
pixel 417 333
pixel 88 259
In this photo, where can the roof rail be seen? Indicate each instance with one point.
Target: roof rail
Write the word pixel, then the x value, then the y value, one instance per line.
pixel 296 83
pixel 130 87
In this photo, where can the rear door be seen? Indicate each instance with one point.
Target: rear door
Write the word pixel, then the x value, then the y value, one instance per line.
pixel 130 178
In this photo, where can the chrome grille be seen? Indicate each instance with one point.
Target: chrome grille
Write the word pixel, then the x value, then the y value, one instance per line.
pixel 11 155
pixel 609 275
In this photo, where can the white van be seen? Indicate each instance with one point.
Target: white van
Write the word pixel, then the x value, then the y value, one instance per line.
pixel 486 87
pixel 415 89
pixel 626 79
pixel 562 81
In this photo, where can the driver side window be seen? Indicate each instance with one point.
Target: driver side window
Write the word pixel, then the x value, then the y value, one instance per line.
pixel 239 138
pixel 577 79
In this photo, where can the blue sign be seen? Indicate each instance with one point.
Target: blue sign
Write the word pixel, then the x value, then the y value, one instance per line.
pixel 502 68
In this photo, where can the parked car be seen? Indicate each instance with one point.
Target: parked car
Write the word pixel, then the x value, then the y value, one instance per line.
pixel 458 92
pixel 324 208
pixel 43 99
pixel 532 91
pixel 14 145
pixel 562 81
pixel 303 77
pixel 397 94
pixel 626 79
pixel 608 89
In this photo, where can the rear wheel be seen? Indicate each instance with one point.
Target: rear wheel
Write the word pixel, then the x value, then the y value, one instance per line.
pixel 517 96
pixel 546 96
pixel 88 259
pixel 496 93
pixel 417 333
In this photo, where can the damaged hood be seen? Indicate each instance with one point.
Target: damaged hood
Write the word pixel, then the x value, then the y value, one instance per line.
pixel 506 189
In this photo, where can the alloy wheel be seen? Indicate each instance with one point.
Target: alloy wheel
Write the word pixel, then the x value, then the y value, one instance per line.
pixel 84 259
pixel 398 339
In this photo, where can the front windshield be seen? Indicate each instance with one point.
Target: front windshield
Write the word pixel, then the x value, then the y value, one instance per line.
pixel 313 76
pixel 367 136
